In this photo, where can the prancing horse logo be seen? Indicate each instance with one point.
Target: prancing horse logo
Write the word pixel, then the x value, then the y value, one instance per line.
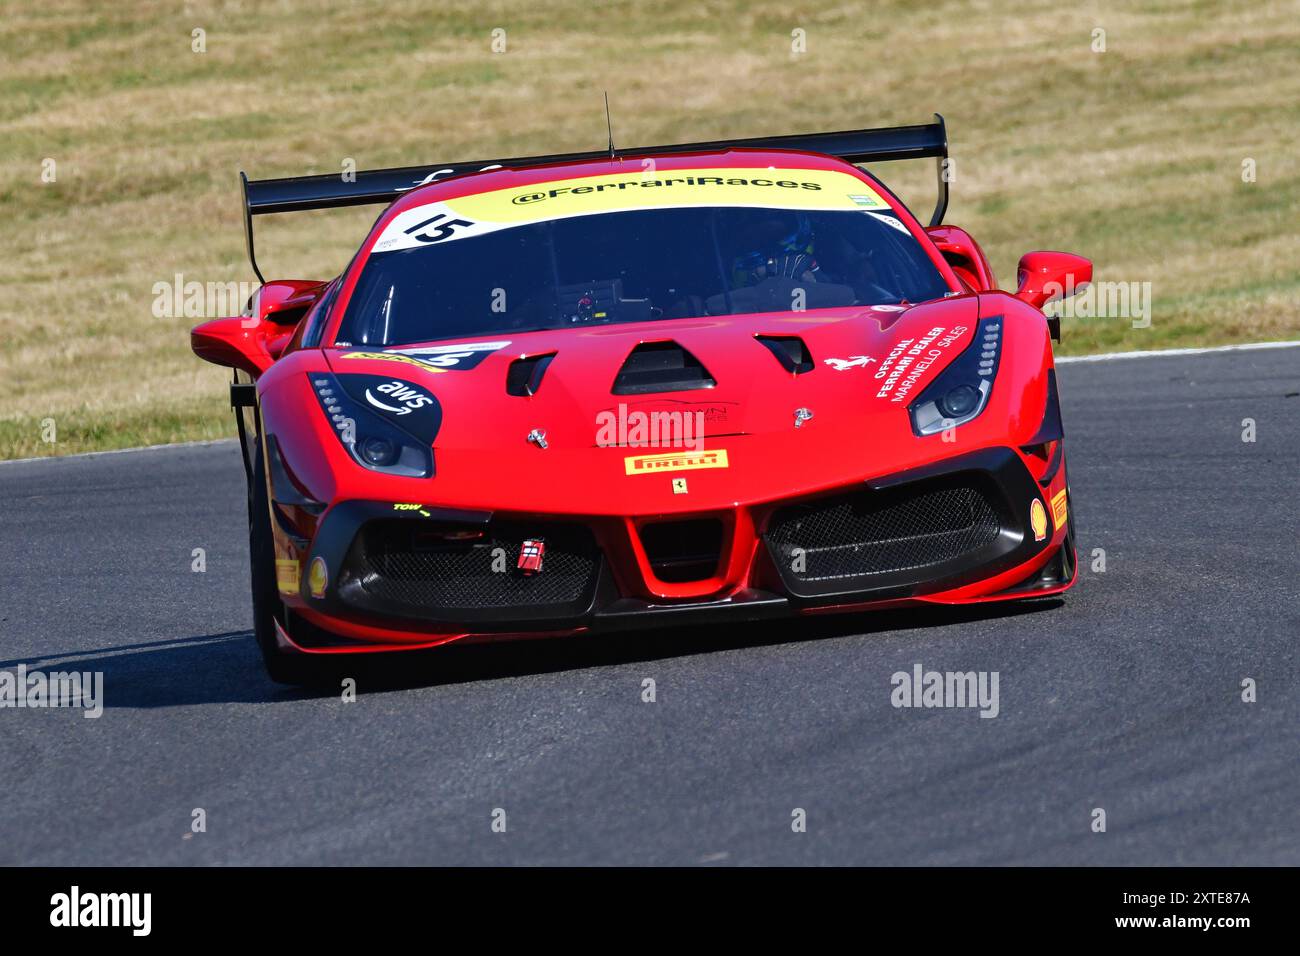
pixel 857 361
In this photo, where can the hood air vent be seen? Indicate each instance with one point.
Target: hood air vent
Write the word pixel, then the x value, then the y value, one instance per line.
pixel 790 351
pixel 661 367
pixel 524 377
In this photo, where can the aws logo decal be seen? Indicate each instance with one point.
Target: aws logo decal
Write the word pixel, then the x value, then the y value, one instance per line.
pixel 398 397
pixel 415 410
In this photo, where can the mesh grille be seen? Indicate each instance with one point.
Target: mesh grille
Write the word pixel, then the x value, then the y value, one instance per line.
pixel 881 533
pixel 408 563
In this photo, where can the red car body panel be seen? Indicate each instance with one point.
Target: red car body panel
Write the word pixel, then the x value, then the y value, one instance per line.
pixel 485 462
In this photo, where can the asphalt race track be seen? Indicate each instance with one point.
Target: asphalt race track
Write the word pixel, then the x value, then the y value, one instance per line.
pixel 1127 696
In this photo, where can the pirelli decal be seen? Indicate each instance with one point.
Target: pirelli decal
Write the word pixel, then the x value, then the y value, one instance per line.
pixel 1058 510
pixel 286 575
pixel 675 461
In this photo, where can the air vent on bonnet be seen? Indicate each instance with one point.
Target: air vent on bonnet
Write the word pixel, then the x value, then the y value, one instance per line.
pixel 524 377
pixel 661 367
pixel 790 351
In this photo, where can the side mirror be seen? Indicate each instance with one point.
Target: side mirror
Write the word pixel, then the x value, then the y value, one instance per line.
pixel 241 342
pixel 253 341
pixel 1045 276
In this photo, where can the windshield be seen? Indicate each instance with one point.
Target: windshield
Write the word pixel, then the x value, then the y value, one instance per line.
pixel 635 266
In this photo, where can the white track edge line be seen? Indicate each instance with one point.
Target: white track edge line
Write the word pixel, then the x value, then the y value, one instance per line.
pixel 1156 353
pixel 121 451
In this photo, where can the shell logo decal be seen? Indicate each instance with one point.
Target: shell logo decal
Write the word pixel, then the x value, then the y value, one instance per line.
pixel 1038 519
pixel 317 577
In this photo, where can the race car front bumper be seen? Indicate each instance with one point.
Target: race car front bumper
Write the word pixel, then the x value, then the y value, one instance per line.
pixel 976 527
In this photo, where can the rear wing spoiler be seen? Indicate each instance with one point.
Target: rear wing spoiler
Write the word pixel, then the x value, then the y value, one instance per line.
pixel 333 191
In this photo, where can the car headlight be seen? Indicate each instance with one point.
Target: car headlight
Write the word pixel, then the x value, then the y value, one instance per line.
pixel 371 439
pixel 961 390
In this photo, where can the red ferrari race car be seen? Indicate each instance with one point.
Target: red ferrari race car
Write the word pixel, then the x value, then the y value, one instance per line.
pixel 579 393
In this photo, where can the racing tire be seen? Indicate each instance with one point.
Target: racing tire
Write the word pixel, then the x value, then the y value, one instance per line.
pixel 268 609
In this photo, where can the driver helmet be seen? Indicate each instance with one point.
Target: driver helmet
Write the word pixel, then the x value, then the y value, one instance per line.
pixel 782 246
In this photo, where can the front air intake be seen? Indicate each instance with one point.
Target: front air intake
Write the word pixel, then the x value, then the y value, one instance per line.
pixel 455 573
pixel 896 537
pixel 790 351
pixel 681 551
pixel 661 367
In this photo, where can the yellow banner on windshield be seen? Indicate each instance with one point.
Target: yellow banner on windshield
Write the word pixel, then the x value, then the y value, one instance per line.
pixel 780 188
pixel 473 215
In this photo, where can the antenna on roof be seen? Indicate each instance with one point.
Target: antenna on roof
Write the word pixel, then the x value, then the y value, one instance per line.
pixel 609 125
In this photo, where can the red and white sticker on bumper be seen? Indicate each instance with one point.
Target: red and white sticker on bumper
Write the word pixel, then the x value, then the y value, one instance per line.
pixel 530 556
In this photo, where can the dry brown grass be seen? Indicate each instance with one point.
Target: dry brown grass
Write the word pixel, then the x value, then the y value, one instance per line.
pixel 1131 157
